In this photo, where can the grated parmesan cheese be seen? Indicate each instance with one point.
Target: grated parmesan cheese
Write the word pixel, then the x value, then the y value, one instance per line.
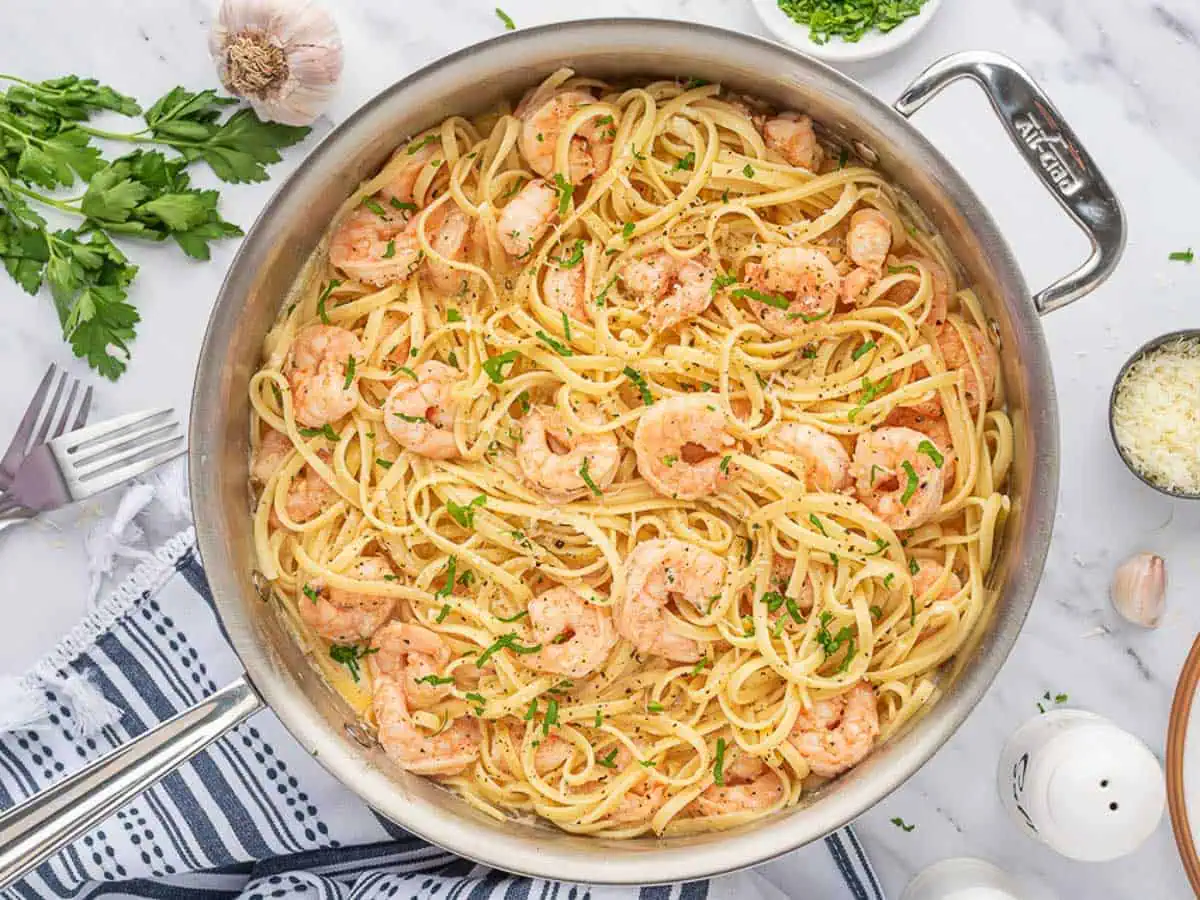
pixel 1156 416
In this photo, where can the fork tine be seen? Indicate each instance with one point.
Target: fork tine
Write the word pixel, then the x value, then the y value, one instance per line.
pixel 51 409
pixel 147 458
pixel 29 420
pixel 126 450
pixel 88 439
pixel 66 413
pixel 85 407
pixel 98 454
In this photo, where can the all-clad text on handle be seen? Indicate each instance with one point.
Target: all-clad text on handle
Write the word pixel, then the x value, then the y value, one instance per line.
pixel 1052 151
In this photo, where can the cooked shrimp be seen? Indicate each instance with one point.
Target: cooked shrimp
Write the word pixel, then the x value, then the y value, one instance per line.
pixel 936 428
pixel 679 444
pixel 405 654
pixel 674 290
pixel 591 148
pixel 347 617
pixel 446 752
pixel 943 288
pixel 749 786
pixel 273 450
pixel 869 240
pixel 377 248
pixel 555 460
pixel 954 353
pixel 319 360
pixel 791 135
pixel 308 495
pixel 896 479
pixel 781 576
pixel 638 804
pixel 419 414
pixel 838 733
pixel 527 217
pixel 803 281
pixel 563 288
pixel 826 462
pixel 855 284
pixel 451 237
pixel 550 754
pixel 413 158
pixel 928 574
pixel 657 573
pixel 576 636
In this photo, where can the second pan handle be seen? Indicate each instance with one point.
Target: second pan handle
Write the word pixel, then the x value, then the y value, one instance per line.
pixel 1050 148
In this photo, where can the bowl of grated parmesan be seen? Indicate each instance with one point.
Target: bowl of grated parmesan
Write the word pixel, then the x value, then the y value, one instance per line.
pixel 1154 413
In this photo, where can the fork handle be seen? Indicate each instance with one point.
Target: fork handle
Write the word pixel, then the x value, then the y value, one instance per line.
pixel 45 823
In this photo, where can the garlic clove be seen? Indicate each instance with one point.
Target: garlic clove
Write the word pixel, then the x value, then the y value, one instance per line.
pixel 1139 589
pixel 283 56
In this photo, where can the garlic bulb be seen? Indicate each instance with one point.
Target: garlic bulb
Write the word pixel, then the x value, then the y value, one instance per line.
pixel 1139 589
pixel 283 56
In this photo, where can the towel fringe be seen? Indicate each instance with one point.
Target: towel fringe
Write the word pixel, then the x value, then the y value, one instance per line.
pixel 24 703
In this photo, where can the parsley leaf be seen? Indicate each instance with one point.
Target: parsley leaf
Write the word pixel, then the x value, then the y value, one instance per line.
pixel 911 487
pixel 902 825
pixel 719 763
pixel 465 515
pixel 1185 256
pixel 349 656
pixel 587 478
pixel 932 452
pixel 565 190
pixel 493 365
pixel 557 346
pixel 636 377
pixel 769 299
pixel 505 642
pixel 509 24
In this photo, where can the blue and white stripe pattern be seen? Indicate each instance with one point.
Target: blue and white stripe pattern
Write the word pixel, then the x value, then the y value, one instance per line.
pixel 253 816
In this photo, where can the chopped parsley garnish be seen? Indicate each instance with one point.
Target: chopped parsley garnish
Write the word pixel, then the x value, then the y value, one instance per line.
pixel 575 257
pixel 566 326
pixel 888 579
pixel 532 711
pixel 512 191
pixel 402 205
pixel 698 667
pixel 719 763
pixel 627 230
pixel 557 346
pixel 812 517
pixel 405 370
pixel 902 825
pixel 749 549
pixel 808 352
pixel 829 642
pixel 876 612
pixel 1185 256
pixel 513 618
pixel 442 613
pixel 880 544
pixel 748 171
pixel 445 589
pixel 670 459
pixel 636 377
pixel 349 655
pixel 687 163
pixel 477 699
pixel 551 717
pixel 769 299
pixel 1045 701
pixel 911 487
pixel 373 205
pixel 599 719
pixel 418 145
pixel 774 600
pixel 435 680
pixel 493 364
pixel 390 250
pixel 870 390
pixel 465 515
pixel 565 189
pixel 351 365
pixel 931 451
pixel 604 291
pixel 721 282
pixel 383 463
pixel 325 292
pixel 505 641
pixel 453 315
pixel 912 610
pixel 452 358
pixel 842 157
pixel 896 270
pixel 325 431
pixel 609 761
pixel 862 350
pixel 587 478
pixel 412 420
pixel 654 707
pixel 913 566
pixel 509 24
pixel 724 466
pixel 311 593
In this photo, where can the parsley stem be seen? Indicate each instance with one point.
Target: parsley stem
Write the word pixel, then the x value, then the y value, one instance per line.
pixel 50 201
pixel 132 137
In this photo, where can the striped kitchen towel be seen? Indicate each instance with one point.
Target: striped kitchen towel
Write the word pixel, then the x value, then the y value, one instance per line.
pixel 254 816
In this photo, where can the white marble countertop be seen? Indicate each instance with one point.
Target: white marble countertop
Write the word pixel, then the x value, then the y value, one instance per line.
pixel 1123 72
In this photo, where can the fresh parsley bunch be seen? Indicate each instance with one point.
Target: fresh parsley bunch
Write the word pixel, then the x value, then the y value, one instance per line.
pixel 47 147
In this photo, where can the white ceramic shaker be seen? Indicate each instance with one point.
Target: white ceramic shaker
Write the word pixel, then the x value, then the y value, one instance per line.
pixel 1081 785
pixel 970 879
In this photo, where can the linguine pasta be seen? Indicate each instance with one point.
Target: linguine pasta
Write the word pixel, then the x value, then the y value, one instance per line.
pixel 630 459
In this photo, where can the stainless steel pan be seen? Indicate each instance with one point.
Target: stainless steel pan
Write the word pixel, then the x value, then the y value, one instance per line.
pixel 472 80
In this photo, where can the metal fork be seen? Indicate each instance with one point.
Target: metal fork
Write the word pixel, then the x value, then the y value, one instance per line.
pixel 44 407
pixel 82 463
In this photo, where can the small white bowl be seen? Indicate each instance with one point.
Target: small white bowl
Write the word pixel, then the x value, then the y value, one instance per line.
pixel 869 46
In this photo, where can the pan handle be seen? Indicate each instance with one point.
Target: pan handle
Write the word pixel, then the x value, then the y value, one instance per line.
pixel 45 823
pixel 1051 150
